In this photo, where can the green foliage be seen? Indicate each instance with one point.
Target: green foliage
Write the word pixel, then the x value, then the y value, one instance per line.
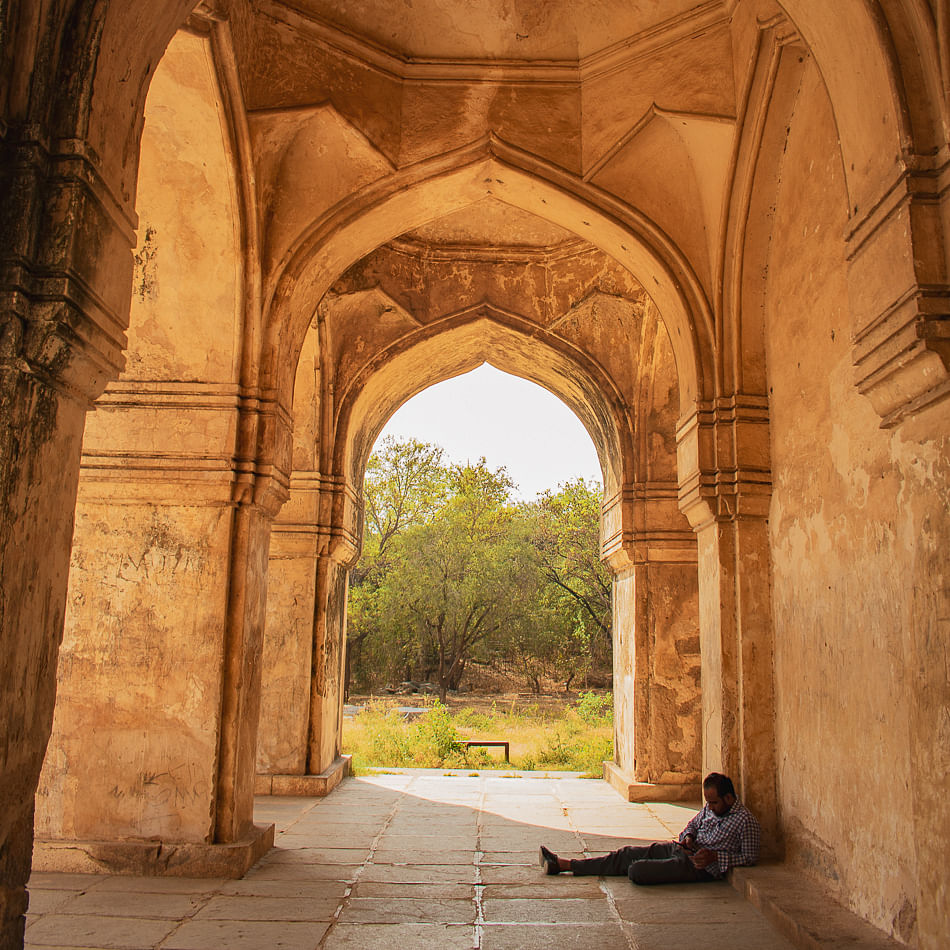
pixel 454 572
pixel 434 739
pixel 472 719
pixel 596 708
pixel 385 739
pixel 560 739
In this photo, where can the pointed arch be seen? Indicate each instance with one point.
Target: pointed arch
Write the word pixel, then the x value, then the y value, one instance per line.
pixel 463 341
pixel 489 168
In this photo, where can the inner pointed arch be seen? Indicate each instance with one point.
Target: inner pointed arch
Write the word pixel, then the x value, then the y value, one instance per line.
pixel 461 343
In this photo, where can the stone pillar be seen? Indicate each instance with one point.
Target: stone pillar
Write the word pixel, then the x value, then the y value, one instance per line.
pixel 299 744
pixel 725 493
pixel 326 672
pixel 65 275
pixel 151 765
pixel 657 736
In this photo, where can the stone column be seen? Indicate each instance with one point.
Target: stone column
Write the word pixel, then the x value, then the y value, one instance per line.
pixel 65 274
pixel 725 493
pixel 657 736
pixel 152 761
pixel 299 745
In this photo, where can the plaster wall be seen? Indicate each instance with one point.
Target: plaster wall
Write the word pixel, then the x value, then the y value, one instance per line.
pixel 859 531
pixel 288 645
pixel 135 731
pixel 185 320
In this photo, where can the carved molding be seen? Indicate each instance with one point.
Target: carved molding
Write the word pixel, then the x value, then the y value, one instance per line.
pixel 899 290
pixel 723 452
pixel 327 511
pixel 641 524
pixel 65 266
pixel 194 464
pixel 389 62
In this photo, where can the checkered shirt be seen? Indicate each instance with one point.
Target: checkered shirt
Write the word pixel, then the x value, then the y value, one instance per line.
pixel 735 837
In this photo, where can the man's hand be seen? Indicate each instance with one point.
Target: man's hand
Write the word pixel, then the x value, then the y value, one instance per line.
pixel 703 858
pixel 688 844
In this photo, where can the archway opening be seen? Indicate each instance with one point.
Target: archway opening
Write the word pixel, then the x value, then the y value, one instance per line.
pixel 596 341
pixel 480 603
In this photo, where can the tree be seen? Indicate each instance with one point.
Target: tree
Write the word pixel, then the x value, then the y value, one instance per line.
pixel 453 570
pixel 567 540
pixel 404 485
pixel 450 583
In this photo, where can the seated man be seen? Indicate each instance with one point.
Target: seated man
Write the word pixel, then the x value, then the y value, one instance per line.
pixel 723 835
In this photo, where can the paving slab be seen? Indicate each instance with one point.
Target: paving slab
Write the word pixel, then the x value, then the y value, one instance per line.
pixel 408 910
pixel 106 933
pixel 245 935
pixel 737 935
pixel 314 855
pixel 555 909
pixel 302 871
pixel 309 890
pixel 378 889
pixel 440 862
pixel 400 937
pixel 43 901
pixel 257 907
pixel 101 903
pixel 563 886
pixel 162 885
pixel 601 936
pixel 428 842
pixel 384 855
pixel 419 874
pixel 64 882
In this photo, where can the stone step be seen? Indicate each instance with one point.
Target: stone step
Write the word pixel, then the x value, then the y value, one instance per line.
pixel 803 911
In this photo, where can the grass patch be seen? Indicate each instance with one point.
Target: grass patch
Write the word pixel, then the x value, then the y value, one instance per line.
pixel 570 736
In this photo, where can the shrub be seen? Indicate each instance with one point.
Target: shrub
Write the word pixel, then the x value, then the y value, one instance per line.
pixel 433 740
pixel 596 709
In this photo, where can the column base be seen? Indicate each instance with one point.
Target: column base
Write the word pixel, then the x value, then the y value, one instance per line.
pixel 305 786
pixel 633 791
pixel 150 858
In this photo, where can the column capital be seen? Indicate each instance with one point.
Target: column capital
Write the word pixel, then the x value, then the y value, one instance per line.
pixel 66 244
pixel 723 457
pixel 642 523
pixel 328 508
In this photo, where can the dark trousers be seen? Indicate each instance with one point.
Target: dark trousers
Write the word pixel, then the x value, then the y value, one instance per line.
pixel 663 862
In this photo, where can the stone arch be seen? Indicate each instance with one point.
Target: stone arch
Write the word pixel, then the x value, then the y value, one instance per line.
pixel 462 341
pixel 869 89
pixel 489 168
pixel 71 174
pixel 888 94
pixel 646 542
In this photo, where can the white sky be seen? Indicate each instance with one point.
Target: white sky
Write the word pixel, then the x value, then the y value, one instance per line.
pixel 510 421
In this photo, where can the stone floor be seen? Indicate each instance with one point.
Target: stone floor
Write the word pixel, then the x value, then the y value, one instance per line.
pixel 419 859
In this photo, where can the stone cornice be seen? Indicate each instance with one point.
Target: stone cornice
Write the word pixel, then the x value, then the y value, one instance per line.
pixel 921 178
pixel 405 68
pixel 900 328
pixel 726 443
pixel 491 253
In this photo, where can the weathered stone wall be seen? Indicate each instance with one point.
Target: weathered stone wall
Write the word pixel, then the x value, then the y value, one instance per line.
pixel 288 649
pixel 639 160
pixel 860 530
pixel 135 735
pixel 656 675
